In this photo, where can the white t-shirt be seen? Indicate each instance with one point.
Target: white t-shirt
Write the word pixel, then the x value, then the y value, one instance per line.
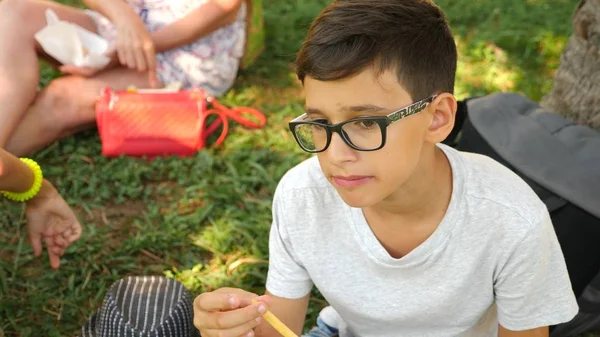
pixel 494 258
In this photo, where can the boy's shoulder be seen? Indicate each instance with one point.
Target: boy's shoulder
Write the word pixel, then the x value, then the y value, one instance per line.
pixel 489 183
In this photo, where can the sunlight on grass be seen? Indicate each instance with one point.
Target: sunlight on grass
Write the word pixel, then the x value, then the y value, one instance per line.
pixel 223 271
pixel 483 68
pixel 550 48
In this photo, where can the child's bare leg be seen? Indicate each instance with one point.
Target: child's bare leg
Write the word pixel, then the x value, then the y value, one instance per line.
pixel 19 73
pixel 67 106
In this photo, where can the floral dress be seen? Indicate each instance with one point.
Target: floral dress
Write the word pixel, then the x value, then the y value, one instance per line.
pixel 210 63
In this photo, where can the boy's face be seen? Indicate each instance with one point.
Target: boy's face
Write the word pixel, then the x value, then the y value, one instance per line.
pixel 366 178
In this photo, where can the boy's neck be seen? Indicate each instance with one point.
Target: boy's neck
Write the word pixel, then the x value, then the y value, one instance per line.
pixel 426 193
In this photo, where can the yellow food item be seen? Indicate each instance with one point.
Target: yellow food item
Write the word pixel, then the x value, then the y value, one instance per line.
pixel 85 51
pixel 277 324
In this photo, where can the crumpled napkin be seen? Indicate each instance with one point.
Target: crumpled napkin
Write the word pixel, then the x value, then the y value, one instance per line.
pixel 71 44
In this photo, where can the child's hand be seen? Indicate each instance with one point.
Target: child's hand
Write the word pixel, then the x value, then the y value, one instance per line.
pixel 89 72
pixel 134 45
pixel 227 312
pixel 50 218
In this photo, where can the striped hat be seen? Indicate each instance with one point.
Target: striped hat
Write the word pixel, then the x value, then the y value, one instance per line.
pixel 148 306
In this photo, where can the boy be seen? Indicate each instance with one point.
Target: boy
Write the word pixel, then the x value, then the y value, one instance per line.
pixel 402 235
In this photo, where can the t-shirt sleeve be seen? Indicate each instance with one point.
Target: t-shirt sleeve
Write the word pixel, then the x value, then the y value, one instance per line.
pixel 532 288
pixel 286 277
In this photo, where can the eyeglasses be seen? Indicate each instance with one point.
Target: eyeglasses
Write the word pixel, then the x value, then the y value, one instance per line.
pixel 362 133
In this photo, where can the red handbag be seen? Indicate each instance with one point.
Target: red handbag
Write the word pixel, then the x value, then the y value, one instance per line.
pixel 153 124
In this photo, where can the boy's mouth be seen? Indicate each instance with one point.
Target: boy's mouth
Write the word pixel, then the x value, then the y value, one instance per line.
pixel 350 181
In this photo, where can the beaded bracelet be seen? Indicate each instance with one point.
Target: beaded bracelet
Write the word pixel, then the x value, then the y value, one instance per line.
pixel 38 177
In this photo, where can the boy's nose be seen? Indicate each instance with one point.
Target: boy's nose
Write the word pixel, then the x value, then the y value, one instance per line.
pixel 339 152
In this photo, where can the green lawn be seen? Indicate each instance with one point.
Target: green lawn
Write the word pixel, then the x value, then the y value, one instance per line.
pixel 205 220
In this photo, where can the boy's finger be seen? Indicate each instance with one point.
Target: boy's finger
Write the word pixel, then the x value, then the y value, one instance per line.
pixel 236 318
pixel 215 301
pixel 244 302
pixel 240 330
pixel 263 298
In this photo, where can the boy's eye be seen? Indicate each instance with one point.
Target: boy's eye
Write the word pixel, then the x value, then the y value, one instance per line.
pixel 319 120
pixel 365 124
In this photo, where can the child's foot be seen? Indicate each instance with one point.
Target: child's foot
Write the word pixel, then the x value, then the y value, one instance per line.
pixel 327 324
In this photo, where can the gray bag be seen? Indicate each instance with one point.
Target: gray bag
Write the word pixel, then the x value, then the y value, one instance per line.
pixel 560 160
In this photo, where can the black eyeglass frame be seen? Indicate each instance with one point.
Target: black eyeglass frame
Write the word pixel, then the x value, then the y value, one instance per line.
pixel 382 121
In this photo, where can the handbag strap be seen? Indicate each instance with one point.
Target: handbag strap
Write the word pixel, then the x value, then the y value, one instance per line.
pixel 237 114
pixel 221 120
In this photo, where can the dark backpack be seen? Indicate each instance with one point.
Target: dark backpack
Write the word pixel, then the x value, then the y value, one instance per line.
pixel 560 160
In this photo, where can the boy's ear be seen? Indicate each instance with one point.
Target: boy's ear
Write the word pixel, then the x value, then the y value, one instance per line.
pixel 443 111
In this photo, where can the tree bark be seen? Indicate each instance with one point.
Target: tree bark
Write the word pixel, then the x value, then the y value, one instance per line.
pixel 576 90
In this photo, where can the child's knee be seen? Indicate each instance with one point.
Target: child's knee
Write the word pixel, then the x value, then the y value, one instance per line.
pixel 15 10
pixel 58 93
pixel 69 102
pixel 55 105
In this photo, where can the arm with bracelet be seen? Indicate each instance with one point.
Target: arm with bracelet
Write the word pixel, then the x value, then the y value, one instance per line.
pixel 49 217
pixel 20 179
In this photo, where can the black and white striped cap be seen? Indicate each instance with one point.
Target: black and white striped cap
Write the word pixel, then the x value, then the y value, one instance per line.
pixel 148 306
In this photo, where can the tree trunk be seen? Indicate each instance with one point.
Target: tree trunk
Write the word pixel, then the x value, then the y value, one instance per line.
pixel 576 91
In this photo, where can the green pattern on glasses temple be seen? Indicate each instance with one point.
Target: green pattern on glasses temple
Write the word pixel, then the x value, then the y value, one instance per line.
pixel 411 109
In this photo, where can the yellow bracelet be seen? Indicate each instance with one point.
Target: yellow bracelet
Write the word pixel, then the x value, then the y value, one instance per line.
pixel 38 177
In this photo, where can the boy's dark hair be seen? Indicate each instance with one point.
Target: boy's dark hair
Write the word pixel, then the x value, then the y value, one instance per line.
pixel 409 36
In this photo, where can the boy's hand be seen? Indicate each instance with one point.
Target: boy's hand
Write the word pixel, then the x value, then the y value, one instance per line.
pixel 50 218
pixel 228 312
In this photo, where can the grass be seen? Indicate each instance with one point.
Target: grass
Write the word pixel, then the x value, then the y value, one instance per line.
pixel 205 220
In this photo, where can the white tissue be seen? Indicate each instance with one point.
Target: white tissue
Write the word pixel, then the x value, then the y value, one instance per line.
pixel 66 41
